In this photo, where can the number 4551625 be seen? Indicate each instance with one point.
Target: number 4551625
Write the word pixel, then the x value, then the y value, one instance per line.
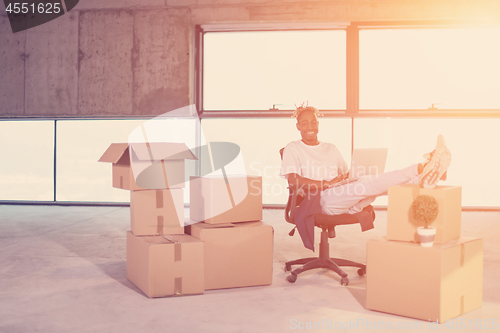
pixel 31 8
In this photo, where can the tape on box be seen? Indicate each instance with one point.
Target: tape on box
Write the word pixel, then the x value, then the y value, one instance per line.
pixel 177 257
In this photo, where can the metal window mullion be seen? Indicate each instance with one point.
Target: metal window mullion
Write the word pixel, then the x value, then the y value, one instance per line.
pixel 55 160
pixel 352 70
pixel 199 68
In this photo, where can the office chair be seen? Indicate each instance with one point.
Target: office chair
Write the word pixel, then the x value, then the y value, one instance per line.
pixel 327 223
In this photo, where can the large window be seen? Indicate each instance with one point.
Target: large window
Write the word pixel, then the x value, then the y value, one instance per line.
pixel 27 160
pixel 29 171
pixel 452 68
pixel 349 73
pixel 400 68
pixel 256 70
pixel 27 148
pixel 80 144
pixel 474 166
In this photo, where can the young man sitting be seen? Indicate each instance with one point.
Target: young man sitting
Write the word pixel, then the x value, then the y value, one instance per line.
pixel 315 165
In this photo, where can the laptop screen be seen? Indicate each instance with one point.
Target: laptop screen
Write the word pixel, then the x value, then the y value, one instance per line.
pixel 367 161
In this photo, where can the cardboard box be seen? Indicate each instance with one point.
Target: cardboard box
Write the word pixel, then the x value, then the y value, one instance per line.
pixel 157 212
pixel 437 283
pixel 139 166
pixel 236 255
pixel 401 224
pixel 214 199
pixel 165 267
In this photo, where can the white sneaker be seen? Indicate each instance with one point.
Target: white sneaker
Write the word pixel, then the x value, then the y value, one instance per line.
pixel 435 169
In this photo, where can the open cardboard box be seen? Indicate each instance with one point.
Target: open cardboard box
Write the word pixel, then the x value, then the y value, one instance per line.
pixel 216 199
pixel 139 166
pixel 401 224
pixel 236 255
pixel 166 265
pixel 157 212
pixel 433 284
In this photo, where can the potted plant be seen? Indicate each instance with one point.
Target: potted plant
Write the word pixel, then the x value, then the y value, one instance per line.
pixel 425 210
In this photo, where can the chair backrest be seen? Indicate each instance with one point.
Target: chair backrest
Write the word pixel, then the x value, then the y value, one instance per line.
pixel 293 199
pixel 289 202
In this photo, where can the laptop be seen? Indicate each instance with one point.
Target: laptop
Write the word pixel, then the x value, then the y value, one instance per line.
pixel 365 161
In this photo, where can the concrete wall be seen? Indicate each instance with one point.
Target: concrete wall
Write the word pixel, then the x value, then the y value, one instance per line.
pixel 134 57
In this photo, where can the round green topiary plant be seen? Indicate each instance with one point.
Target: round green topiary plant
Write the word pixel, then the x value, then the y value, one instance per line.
pixel 425 209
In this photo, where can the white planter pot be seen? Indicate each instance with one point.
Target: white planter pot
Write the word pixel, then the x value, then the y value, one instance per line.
pixel 426 236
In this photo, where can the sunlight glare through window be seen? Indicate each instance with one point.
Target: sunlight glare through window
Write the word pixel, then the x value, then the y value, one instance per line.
pixel 256 70
pixel 414 68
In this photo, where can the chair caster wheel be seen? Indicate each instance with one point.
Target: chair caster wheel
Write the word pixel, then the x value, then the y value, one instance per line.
pixel 291 278
pixel 288 268
pixel 361 271
pixel 344 281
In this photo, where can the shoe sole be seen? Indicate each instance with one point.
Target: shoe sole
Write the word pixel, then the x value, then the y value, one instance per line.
pixel 441 161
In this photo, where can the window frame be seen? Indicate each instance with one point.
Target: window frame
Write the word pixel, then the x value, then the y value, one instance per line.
pixel 201 30
pixel 54 201
pixel 352 88
pixel 352 69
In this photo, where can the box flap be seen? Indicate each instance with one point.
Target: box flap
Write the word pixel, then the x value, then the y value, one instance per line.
pixel 249 224
pixel 180 239
pixel 114 152
pixel 203 225
pixel 157 151
pixel 455 242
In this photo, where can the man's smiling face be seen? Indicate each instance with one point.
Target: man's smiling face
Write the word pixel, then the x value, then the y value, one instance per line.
pixel 308 125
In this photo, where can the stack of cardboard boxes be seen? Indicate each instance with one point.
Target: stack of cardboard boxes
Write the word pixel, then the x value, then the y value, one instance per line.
pixel 238 253
pixel 163 260
pixel 435 283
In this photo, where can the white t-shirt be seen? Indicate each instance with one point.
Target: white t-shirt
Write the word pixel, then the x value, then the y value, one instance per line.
pixel 320 162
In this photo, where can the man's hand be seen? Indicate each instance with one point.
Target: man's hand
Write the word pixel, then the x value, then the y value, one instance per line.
pixel 313 185
pixel 331 182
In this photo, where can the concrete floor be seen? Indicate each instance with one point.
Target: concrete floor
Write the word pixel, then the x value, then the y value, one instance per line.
pixel 63 269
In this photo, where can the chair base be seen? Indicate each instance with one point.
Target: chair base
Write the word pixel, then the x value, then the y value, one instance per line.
pixel 332 264
pixel 323 261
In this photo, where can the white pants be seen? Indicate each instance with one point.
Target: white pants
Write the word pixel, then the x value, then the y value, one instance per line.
pixel 353 197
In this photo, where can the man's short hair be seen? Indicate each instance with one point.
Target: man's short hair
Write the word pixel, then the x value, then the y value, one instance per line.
pixel 304 107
